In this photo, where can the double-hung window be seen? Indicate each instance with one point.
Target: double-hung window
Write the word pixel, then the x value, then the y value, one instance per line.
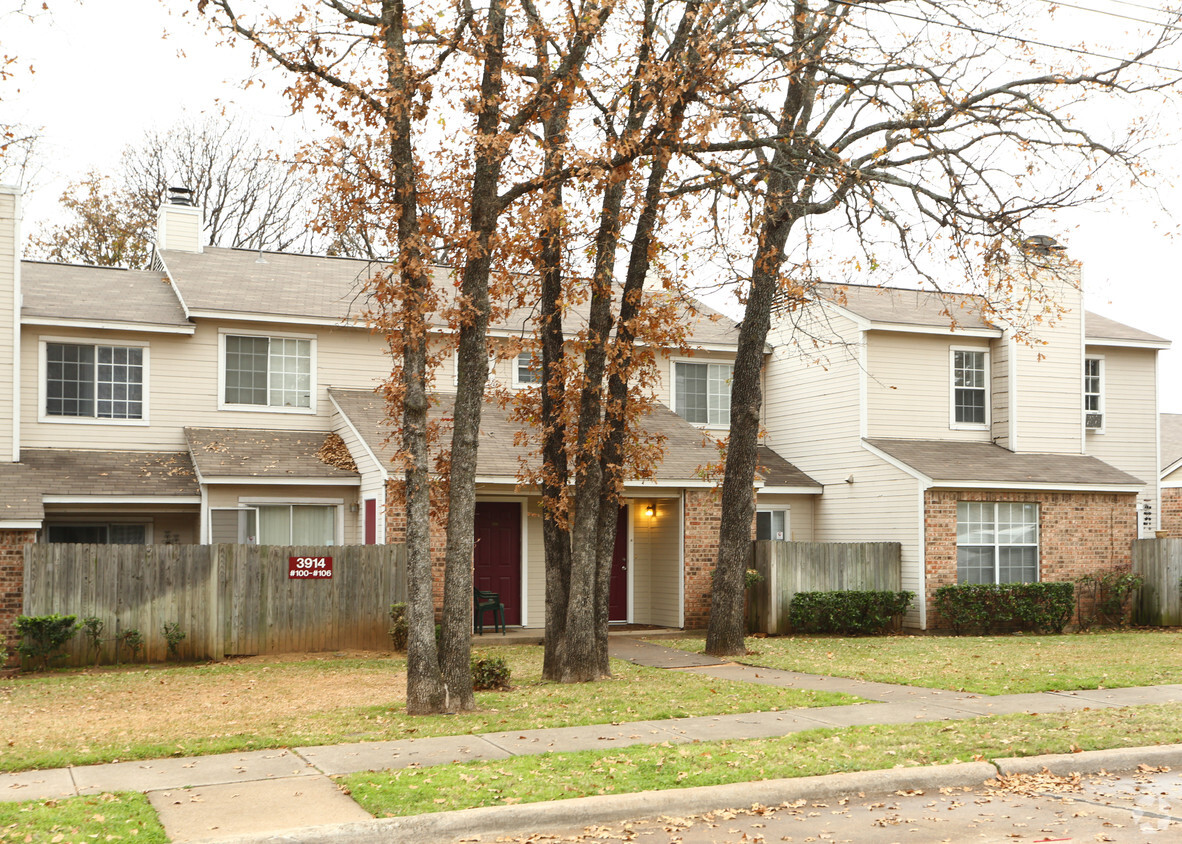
pixel 267 371
pixel 702 392
pixel 970 399
pixel 527 370
pixel 996 542
pixel 1093 394
pixel 85 380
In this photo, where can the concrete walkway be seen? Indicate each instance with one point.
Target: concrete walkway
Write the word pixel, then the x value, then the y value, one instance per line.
pixel 266 792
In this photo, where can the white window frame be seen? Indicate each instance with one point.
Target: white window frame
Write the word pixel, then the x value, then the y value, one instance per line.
pixel 787 520
pixel 43 374
pixel 676 405
pixel 997 546
pixel 1100 395
pixel 534 363
pixel 223 333
pixel 254 503
pixel 952 388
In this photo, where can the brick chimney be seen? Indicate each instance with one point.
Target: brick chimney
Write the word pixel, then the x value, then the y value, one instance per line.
pixel 179 222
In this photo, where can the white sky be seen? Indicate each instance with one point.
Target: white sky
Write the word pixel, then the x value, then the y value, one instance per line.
pixel 104 74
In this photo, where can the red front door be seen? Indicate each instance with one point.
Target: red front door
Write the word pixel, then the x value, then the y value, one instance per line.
pixel 497 558
pixel 617 601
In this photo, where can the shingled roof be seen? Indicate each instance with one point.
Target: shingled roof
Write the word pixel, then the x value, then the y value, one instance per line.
pixel 252 453
pixel 59 471
pixel 946 461
pixel 1171 439
pixel 235 281
pixel 686 448
pixel 99 294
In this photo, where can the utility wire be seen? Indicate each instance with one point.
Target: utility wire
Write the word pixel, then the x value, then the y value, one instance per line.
pixel 1024 41
pixel 1062 5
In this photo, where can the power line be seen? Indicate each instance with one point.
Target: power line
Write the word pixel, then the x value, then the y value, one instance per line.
pixel 1164 25
pixel 1024 41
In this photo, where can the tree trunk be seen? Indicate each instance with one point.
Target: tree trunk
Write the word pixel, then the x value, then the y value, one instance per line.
pixel 472 358
pixel 425 692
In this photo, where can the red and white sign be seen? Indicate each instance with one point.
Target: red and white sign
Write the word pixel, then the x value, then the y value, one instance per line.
pixel 299 568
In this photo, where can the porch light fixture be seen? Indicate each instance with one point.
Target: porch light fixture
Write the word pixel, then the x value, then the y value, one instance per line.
pixel 650 509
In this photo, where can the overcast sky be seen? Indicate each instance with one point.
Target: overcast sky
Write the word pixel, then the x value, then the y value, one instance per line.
pixel 106 72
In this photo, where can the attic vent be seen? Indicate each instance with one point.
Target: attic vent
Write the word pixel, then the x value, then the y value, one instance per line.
pixel 180 196
pixel 1094 421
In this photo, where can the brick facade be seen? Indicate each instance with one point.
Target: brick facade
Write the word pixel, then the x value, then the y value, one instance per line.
pixel 1171 512
pixel 396 532
pixel 12 579
pixel 1079 533
pixel 703 514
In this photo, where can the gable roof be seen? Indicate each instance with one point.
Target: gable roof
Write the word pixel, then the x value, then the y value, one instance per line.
pixel 973 464
pixel 239 453
pixel 686 448
pixel 1171 442
pixel 72 472
pixel 903 309
pixel 234 283
pixel 99 295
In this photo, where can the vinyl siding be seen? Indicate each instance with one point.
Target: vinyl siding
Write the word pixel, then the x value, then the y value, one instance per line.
pixel 656 569
pixel 1000 351
pixel 800 513
pixel 535 562
pixel 1048 395
pixel 9 268
pixel 1129 441
pixel 909 386
pixel 180 227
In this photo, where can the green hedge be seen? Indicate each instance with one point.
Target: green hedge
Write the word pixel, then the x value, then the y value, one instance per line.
pixel 853 613
pixel 1041 607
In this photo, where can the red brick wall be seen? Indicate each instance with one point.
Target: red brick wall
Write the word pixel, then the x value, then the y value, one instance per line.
pixel 703 512
pixel 12 579
pixel 1171 512
pixel 1079 533
pixel 396 532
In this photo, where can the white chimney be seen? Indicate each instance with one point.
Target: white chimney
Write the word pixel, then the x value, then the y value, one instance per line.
pixel 10 318
pixel 179 222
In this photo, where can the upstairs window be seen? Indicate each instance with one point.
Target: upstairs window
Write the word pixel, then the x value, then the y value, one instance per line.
pixel 1093 394
pixel 527 370
pixel 702 392
pixel 996 542
pixel 97 382
pixel 970 400
pixel 268 371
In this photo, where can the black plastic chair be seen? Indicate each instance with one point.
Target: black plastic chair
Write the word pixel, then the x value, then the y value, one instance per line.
pixel 488 602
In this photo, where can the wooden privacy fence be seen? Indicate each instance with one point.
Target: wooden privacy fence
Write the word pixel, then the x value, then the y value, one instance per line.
pixel 229 600
pixel 1159 601
pixel 791 567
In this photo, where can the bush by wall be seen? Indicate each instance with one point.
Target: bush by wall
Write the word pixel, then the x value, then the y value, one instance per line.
pixel 1105 597
pixel 985 607
pixel 853 613
pixel 490 674
pixel 399 626
pixel 44 636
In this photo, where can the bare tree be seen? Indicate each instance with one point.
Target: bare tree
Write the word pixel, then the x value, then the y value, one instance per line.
pixel 912 124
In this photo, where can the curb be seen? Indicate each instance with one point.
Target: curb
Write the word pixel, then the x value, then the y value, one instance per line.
pixel 1094 761
pixel 576 813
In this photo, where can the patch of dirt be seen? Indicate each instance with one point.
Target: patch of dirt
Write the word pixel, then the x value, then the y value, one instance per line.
pixel 275 695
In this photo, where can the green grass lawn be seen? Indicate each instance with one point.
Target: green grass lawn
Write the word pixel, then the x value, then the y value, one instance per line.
pixel 528 779
pixel 79 717
pixel 991 665
pixel 122 816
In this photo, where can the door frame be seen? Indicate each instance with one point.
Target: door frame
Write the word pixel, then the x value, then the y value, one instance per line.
pixel 523 563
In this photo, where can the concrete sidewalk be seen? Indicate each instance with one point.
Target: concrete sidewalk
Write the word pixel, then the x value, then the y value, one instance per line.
pixel 213 797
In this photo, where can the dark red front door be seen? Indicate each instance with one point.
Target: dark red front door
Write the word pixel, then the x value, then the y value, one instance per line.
pixel 617 601
pixel 497 558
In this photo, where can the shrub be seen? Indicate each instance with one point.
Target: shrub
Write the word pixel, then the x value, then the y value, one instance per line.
pixel 133 640
pixel 173 636
pixel 1042 607
pixel 43 636
pixel 1104 598
pixel 856 613
pixel 92 629
pixel 399 627
pixel 490 674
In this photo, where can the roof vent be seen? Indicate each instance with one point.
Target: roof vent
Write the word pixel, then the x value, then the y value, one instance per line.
pixel 1041 244
pixel 180 196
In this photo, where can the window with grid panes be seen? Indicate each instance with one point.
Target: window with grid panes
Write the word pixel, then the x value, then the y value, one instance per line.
pixel 528 369
pixel 1093 394
pixel 996 542
pixel 268 371
pixel 702 392
pixel 101 382
pixel 969 399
